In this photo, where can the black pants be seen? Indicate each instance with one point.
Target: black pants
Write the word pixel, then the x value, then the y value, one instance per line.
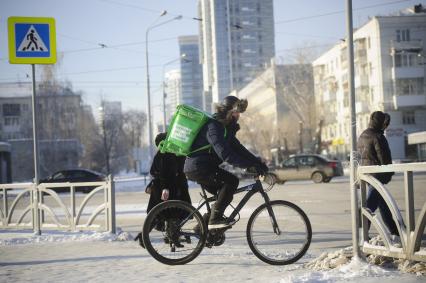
pixel 374 201
pixel 218 182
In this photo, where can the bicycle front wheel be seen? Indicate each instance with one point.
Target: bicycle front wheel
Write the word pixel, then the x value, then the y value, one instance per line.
pixel 283 243
pixel 174 232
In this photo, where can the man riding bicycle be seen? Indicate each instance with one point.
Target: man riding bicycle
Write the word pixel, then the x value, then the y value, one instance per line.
pixel 203 166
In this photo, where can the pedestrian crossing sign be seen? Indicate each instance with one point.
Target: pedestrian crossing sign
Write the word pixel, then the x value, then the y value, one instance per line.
pixel 32 40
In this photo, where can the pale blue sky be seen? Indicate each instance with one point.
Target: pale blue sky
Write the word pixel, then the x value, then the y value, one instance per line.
pixel 118 71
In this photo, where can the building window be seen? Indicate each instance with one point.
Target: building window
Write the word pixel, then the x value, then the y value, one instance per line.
pixel 406 59
pixel 11 110
pixel 402 35
pixel 408 118
pixel 409 86
pixel 11 121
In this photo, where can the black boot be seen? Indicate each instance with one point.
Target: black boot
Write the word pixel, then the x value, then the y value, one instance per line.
pixel 197 228
pixel 217 220
pixel 139 238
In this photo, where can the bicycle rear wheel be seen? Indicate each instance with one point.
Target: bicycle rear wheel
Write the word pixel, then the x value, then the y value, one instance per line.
pixel 284 245
pixel 169 235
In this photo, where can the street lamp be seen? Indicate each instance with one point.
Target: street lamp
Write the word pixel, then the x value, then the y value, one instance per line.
pixel 183 58
pixel 148 89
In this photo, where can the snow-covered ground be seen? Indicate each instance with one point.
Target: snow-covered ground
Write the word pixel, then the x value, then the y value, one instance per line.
pixel 104 257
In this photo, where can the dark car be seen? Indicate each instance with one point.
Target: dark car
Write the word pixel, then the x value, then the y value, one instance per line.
pixel 75 176
pixel 308 166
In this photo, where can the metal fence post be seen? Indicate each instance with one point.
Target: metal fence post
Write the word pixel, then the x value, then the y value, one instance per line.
pixel 111 204
pixel 409 201
pixel 36 214
pixel 72 195
pixel 5 208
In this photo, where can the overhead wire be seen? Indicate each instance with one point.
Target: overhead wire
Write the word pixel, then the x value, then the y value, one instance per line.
pixel 338 12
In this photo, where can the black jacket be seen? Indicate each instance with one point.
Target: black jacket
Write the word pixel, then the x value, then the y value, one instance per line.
pixel 224 149
pixel 167 173
pixel 374 149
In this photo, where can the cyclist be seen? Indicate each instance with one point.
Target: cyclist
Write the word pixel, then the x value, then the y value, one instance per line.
pixel 203 166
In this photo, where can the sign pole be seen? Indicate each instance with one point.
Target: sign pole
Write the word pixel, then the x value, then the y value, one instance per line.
pixel 35 143
pixel 32 40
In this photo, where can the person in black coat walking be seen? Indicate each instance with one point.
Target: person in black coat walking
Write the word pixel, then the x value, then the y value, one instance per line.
pixel 168 182
pixel 203 166
pixel 374 149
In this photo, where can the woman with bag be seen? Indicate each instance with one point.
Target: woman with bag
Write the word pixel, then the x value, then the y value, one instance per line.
pixel 168 180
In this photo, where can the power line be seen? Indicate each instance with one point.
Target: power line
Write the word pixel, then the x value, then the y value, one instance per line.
pixel 116 46
pixel 148 10
pixel 337 12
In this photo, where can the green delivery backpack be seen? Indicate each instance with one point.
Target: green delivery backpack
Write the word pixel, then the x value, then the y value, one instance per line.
pixel 186 124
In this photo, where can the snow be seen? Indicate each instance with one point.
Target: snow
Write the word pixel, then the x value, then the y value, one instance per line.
pixel 106 257
pixel 353 271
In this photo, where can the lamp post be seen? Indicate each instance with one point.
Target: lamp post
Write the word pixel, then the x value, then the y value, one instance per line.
pixel 148 89
pixel 183 58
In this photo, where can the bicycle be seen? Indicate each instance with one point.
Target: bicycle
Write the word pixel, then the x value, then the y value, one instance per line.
pixel 278 232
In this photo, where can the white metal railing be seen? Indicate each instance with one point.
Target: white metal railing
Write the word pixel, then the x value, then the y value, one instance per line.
pixel 20 200
pixel 410 232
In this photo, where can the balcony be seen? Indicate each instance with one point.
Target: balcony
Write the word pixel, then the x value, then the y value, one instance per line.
pixel 361 81
pixel 408 100
pixel 330 118
pixel 415 44
pixel 360 56
pixel 361 107
pixel 329 96
pixel 408 72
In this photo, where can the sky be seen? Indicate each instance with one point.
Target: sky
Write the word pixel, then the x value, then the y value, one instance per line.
pixel 101 43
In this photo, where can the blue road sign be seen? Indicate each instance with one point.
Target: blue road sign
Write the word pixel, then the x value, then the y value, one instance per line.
pixel 32 40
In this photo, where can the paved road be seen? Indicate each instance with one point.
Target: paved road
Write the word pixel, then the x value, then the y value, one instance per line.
pixel 327 206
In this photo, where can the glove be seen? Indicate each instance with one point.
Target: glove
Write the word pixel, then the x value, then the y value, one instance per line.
pixel 261 168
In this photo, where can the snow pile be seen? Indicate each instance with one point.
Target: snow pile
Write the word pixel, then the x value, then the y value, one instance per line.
pixel 55 237
pixel 404 265
pixel 331 260
pixel 338 259
pixel 354 269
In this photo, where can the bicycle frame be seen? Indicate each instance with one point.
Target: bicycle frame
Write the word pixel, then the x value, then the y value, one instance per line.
pixel 251 190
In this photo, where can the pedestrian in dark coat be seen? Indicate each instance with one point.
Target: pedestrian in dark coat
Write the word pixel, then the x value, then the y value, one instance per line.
pixel 169 181
pixel 374 149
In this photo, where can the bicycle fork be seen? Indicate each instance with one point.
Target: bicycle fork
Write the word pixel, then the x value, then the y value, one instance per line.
pixel 271 214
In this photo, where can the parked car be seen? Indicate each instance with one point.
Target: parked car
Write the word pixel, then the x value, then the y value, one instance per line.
pixel 75 176
pixel 308 166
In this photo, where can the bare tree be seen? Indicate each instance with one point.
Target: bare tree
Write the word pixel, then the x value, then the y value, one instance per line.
pixel 134 125
pixel 257 134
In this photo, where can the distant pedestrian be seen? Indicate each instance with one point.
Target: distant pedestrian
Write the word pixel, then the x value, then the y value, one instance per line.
pixel 374 149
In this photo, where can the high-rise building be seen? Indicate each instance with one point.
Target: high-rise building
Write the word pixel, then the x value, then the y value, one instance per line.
pixel 172 91
pixel 237 43
pixel 191 72
pixel 389 57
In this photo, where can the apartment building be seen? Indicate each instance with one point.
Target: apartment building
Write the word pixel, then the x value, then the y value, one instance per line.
pixel 389 57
